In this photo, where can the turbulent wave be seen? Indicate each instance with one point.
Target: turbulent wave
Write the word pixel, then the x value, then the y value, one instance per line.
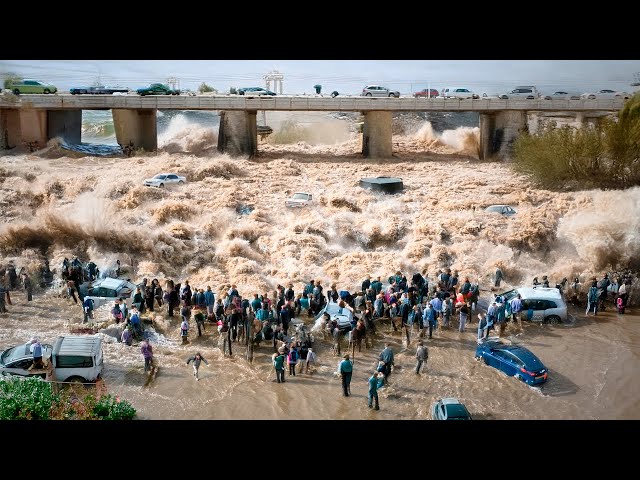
pixel 229 222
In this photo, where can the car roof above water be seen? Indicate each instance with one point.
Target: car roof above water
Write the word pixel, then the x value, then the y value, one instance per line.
pixel 77 345
pixel 539 292
pixel 110 283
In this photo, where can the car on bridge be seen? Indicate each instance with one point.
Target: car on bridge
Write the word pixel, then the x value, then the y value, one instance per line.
pixel 604 94
pixel 30 86
pixel 427 93
pixel 458 92
pixel 97 90
pixel 562 96
pixel 528 91
pixel 378 91
pixel 255 91
pixel 157 89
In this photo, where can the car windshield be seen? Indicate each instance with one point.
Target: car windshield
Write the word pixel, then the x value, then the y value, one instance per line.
pixel 509 295
pixel 456 412
pixel 14 353
pixel 300 196
pixel 160 177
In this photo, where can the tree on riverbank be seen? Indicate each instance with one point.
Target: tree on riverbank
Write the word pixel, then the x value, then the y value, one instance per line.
pixel 606 156
pixel 203 88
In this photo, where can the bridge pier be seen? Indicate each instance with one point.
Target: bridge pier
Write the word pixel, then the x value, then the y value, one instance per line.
pixel 238 133
pixel 376 134
pixel 66 124
pixel 498 132
pixel 24 126
pixel 136 128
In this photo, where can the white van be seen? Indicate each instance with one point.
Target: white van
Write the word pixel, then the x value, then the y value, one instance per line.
pixel 458 92
pixel 540 304
pixel 77 358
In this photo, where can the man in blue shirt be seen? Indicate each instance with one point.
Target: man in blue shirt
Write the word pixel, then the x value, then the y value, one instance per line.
pixel 516 308
pixel 345 369
pixel 373 391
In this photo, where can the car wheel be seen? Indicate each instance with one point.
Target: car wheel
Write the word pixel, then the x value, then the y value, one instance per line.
pixel 46 91
pixel 161 185
pixel 553 320
pixel 504 97
pixel 16 91
pixel 368 94
pixel 519 377
pixel 76 380
pixel 180 182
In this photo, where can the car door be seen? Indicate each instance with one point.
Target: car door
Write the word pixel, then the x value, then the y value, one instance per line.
pixel 512 364
pixel 503 362
pixel 19 367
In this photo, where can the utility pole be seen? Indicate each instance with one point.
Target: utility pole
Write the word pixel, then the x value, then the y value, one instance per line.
pixel 173 82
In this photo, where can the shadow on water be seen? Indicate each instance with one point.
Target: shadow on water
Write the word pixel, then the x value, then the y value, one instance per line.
pixel 558 385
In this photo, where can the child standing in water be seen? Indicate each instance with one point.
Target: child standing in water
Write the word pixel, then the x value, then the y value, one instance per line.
pixel 196 359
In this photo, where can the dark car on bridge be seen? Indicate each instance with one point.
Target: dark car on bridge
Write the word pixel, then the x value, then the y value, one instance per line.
pixel 157 89
pixel 97 90
pixel 255 91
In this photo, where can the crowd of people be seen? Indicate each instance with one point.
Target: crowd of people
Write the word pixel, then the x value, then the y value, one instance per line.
pixel 409 304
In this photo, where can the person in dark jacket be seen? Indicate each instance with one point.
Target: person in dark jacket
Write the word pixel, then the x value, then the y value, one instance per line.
pixel 345 369
pixel 387 357
pixel 278 364
pixel 373 391
pixel 196 359
pixel 199 318
pixel 13 276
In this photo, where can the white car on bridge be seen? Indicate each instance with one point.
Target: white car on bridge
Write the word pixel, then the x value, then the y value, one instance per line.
pixel 603 94
pixel 458 92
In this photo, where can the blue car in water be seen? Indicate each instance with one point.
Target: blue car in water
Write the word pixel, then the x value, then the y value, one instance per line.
pixel 514 360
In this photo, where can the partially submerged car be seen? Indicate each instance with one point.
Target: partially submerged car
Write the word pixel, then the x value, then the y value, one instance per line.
pixel 514 360
pixel 108 290
pixel 74 358
pixel 342 315
pixel 299 200
pixel 163 179
pixel 505 210
pixel 449 409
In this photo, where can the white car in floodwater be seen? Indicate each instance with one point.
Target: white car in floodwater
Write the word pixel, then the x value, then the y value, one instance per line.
pixel 163 179
pixel 299 200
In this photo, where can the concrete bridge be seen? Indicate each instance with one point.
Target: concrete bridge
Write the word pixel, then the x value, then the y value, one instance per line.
pixel 34 119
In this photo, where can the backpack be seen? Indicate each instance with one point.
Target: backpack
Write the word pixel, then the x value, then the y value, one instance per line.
pixel 293 356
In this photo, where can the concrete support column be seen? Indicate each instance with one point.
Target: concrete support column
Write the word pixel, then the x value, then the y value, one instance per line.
pixel 32 128
pixel 66 124
pixel 376 134
pixel 487 128
pixel 500 132
pixel 9 128
pixel 581 119
pixel 238 133
pixel 136 128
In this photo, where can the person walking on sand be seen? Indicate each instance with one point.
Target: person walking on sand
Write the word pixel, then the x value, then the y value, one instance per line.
pixel 373 391
pixel 345 369
pixel 196 359
pixel 422 354
pixel 147 353
pixel 28 287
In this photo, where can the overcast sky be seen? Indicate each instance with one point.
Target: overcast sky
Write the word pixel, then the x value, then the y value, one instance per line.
pixel 345 76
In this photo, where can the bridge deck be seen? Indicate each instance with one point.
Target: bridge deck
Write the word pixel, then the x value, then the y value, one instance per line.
pixel 300 103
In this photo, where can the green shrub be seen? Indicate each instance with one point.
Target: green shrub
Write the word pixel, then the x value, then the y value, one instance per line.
pixel 34 399
pixel 605 156
pixel 28 399
pixel 206 88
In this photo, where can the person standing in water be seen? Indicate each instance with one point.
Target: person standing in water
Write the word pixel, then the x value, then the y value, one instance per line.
pixel 196 359
pixel 345 369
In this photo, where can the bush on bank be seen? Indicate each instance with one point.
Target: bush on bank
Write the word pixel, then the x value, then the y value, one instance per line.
pixel 606 156
pixel 34 399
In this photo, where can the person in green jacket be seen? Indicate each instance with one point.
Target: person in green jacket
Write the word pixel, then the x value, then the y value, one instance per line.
pixel 373 390
pixel 278 364
pixel 345 369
